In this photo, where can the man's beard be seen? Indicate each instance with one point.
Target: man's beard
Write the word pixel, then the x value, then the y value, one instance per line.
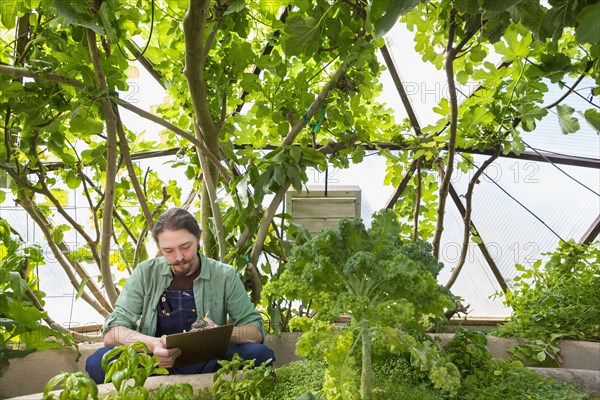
pixel 180 272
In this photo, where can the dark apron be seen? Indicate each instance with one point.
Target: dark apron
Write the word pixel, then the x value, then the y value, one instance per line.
pixel 176 312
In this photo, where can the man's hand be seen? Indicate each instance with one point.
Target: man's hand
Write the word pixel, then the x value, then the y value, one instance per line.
pixel 248 333
pixel 166 357
pixel 210 322
pixel 202 323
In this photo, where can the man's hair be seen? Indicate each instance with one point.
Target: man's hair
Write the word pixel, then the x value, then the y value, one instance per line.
pixel 174 219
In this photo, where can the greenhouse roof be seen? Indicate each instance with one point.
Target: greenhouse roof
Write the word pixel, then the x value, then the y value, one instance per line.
pixel 523 204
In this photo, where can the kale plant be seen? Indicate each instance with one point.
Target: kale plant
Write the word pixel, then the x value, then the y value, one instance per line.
pixel 371 275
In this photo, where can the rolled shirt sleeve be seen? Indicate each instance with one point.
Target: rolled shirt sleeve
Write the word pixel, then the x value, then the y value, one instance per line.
pixel 136 306
pixel 129 306
pixel 241 310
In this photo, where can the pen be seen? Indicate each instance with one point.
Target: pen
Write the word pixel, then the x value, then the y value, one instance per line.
pixel 166 307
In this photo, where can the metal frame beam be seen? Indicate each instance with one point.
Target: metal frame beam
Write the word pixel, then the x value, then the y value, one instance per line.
pixel 389 62
pixel 486 254
pixel 592 232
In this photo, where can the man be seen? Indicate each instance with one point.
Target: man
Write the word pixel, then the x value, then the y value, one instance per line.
pixel 166 295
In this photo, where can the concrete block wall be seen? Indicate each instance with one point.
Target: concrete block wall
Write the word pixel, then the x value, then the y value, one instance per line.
pixel 30 374
pixel 27 376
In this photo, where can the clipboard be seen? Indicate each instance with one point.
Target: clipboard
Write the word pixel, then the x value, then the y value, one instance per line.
pixel 199 346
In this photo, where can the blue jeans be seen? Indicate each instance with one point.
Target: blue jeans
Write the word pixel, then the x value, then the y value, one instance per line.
pixel 247 351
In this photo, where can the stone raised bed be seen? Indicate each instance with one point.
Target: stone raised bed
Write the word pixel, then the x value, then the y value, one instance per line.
pixel 576 354
pixel 27 376
pixel 197 382
pixel 580 359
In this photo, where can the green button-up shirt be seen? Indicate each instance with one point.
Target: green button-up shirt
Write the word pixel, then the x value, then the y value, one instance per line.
pixel 218 291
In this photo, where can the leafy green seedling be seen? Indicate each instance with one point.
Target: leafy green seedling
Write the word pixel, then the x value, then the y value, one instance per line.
pixel 233 388
pixel 175 391
pixel 133 362
pixel 76 386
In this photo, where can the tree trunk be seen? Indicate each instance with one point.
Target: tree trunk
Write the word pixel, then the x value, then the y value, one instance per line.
pixel 206 131
pixel 111 171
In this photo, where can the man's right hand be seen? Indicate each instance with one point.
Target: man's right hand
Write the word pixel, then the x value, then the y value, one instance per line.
pixel 166 357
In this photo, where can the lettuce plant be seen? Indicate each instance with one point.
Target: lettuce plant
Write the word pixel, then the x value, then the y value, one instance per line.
pixel 554 301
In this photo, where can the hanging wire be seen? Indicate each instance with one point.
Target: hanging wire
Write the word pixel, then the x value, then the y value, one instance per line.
pixel 375 153
pixel 561 170
pixel 576 92
pixel 147 43
pixel 513 198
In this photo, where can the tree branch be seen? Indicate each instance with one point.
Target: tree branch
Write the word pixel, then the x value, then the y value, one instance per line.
pixel 206 131
pixel 194 24
pixel 86 191
pixel 46 192
pixel 316 104
pixel 111 169
pixel 216 212
pixel 116 215
pixel 67 264
pixel 467 218
pixel 444 187
pixel 260 239
pixel 196 142
pixel 146 63
pixel 79 337
pixel 333 147
pixel 25 73
pixel 403 183
pixel 131 171
pixel 140 242
pixel 572 88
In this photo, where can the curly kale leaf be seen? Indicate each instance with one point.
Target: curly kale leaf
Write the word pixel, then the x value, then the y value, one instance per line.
pixel 369 274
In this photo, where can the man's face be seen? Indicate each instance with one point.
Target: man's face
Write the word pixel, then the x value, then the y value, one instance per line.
pixel 180 249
